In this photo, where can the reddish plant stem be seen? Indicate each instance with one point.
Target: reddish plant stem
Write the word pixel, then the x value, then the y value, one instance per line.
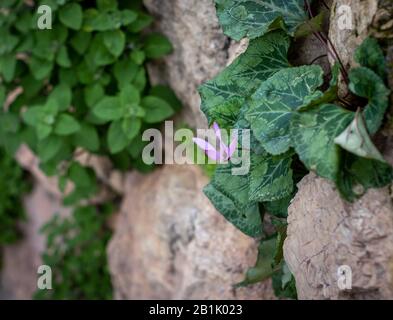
pixel 325 5
pixel 329 45
pixel 317 58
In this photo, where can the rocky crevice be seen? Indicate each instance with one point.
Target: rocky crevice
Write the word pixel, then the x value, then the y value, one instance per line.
pixel 324 231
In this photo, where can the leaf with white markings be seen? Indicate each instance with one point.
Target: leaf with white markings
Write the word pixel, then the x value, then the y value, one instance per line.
pixel 357 175
pixel 230 195
pixel 263 268
pixel 355 139
pixel 367 84
pixel 276 100
pixel 369 54
pixel 224 95
pixel 270 177
pixel 313 134
pixel 253 18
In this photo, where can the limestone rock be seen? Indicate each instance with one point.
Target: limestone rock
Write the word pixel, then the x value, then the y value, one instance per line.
pixel 361 14
pixel 201 50
pixel 22 259
pixel 325 233
pixel 170 243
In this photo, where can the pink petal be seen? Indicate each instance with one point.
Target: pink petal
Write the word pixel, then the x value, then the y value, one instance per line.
pixel 223 147
pixel 232 147
pixel 210 151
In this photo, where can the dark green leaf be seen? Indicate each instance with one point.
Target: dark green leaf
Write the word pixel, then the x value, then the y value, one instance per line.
pixel 125 71
pixel 253 18
pixel 357 175
pixel 62 96
pixel 157 109
pixel 138 56
pixel 109 108
pixel 107 5
pixel 270 177
pixel 81 41
pixel 129 95
pixel 66 125
pixel 313 134
pixel 143 21
pixel 114 41
pixel 263 268
pixel 7 67
pixel 156 45
pixel 223 96
pixel 93 94
pixel 62 58
pixel 365 83
pixel 40 69
pixel 167 94
pixel 117 139
pixel 131 127
pixel 71 15
pixel 276 101
pixel 369 54
pixel 79 175
pixel 229 194
pixel 49 147
pixel 87 137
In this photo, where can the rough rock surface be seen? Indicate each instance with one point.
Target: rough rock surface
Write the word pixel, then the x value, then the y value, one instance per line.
pixel 21 260
pixel 200 50
pixel 346 40
pixel 324 231
pixel 171 244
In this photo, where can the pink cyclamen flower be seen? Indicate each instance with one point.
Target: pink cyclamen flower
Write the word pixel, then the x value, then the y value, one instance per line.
pixel 224 153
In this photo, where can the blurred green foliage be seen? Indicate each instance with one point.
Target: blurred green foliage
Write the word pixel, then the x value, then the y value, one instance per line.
pixel 84 82
pixel 76 252
pixel 13 184
pixel 85 87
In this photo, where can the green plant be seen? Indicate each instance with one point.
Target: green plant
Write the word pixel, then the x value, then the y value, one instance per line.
pixel 85 85
pixel 76 253
pixel 80 86
pixel 13 185
pixel 295 126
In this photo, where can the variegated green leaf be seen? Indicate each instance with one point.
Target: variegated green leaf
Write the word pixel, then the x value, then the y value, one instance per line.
pixel 277 99
pixel 253 18
pixel 355 139
pixel 223 96
pixel 369 54
pixel 263 268
pixel 270 177
pixel 313 134
pixel 229 195
pixel 357 175
pixel 330 94
pixel 236 196
pixel 367 84
pixel 279 208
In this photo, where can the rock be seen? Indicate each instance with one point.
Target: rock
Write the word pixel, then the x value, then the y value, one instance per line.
pixel 347 40
pixel 21 260
pixel 201 50
pixel 170 243
pixel 110 179
pixel 325 233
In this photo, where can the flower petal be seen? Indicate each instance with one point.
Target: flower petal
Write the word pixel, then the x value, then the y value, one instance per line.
pixel 210 151
pixel 232 147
